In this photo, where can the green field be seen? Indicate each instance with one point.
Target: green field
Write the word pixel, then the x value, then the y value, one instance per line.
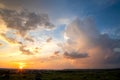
pixel 61 74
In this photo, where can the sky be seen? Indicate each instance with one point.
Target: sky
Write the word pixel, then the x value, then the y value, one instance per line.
pixel 60 34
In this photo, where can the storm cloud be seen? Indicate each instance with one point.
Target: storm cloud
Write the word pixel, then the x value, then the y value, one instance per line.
pixel 83 36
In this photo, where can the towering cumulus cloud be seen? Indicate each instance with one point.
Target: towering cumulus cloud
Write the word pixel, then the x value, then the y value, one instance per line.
pixel 23 20
pixel 79 35
pixel 85 41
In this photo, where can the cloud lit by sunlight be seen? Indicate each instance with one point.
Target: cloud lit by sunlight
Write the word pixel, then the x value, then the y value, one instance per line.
pixel 56 36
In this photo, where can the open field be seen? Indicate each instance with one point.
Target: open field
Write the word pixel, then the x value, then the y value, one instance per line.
pixel 109 74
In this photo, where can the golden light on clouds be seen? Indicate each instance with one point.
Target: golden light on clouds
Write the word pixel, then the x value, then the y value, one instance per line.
pixel 3 27
pixel 2 6
pixel 1 44
pixel 32 39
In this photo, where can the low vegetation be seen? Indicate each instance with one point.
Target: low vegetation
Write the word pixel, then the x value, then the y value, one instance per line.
pixel 112 74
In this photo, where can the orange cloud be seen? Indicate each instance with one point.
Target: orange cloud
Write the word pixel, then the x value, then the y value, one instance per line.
pixel 1 44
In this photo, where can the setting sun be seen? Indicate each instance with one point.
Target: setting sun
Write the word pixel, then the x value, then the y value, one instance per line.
pixel 21 65
pixel 59 34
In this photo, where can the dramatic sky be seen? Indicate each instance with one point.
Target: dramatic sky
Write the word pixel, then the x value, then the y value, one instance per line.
pixel 60 34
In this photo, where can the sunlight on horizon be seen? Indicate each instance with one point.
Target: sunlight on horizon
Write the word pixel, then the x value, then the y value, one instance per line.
pixel 59 34
pixel 21 65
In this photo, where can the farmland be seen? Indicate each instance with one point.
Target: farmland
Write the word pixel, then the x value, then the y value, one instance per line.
pixel 85 74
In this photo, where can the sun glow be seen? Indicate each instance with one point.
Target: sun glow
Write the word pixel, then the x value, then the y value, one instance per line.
pixel 22 65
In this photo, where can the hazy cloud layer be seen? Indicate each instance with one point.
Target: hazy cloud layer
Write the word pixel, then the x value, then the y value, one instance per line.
pixel 13 4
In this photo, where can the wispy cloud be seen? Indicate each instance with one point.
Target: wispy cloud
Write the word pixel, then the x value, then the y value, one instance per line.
pixel 25 51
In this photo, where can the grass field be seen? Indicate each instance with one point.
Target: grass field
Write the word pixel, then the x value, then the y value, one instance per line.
pixel 112 74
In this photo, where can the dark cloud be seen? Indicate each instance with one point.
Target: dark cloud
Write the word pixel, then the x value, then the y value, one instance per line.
pixel 56 53
pixel 25 51
pixel 37 50
pixel 49 39
pixel 9 39
pixel 105 41
pixel 75 55
pixel 23 20
pixel 113 58
pixel 13 4
pixel 21 46
pixel 29 39
pixel 24 3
